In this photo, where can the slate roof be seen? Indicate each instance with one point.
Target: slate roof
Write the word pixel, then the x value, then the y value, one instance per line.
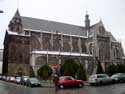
pixel 52 26
pixel 111 36
pixel 94 28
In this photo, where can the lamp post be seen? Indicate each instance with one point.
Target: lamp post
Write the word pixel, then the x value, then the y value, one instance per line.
pixel 1 11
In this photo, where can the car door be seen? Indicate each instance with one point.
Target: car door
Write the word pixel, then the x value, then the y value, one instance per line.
pixel 122 77
pixel 69 81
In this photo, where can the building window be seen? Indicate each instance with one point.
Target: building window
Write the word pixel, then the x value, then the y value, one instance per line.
pixel 27 32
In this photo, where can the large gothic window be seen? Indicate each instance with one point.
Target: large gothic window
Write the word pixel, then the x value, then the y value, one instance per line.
pixel 56 42
pixel 35 34
pixel 75 44
pixel 35 44
pixel 46 41
pixel 66 43
pixel 83 46
pixel 91 48
pixel 41 60
pixel 104 50
pixel 101 30
pixel 117 52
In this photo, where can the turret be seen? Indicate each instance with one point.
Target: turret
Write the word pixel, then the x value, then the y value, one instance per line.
pixel 87 22
pixel 15 24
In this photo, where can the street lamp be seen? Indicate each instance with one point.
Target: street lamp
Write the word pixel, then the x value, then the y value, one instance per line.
pixel 1 11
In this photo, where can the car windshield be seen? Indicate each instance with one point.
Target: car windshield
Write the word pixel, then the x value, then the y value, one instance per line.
pixel 114 76
pixel 102 76
pixel 34 79
pixel 69 78
pixel 18 77
pixel 25 77
pixel 66 78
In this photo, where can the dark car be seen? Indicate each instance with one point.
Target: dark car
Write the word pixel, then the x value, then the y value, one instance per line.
pixel 118 77
pixel 33 82
pixel 24 79
pixel 69 81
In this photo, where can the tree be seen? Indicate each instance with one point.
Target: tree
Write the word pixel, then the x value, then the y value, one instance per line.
pixel 69 68
pixel 99 68
pixel 111 69
pixel 44 72
pixel 81 74
pixel 121 68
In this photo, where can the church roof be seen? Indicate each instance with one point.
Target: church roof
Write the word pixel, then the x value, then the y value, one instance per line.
pixel 111 36
pixel 52 26
pixel 95 28
pixel 17 14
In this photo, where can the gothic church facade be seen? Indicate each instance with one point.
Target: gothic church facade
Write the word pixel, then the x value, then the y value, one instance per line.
pixel 30 43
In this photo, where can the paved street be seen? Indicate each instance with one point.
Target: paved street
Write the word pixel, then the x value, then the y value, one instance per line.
pixel 10 88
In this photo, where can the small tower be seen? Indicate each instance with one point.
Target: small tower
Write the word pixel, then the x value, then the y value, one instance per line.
pixel 15 24
pixel 87 22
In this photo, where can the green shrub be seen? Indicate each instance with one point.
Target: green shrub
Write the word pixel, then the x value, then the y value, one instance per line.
pixel 81 74
pixel 99 68
pixel 112 69
pixel 69 68
pixel 44 72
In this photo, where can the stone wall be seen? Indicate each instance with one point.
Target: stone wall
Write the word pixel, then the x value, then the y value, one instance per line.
pixel 18 69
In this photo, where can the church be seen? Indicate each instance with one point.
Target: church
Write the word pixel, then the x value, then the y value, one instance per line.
pixel 30 43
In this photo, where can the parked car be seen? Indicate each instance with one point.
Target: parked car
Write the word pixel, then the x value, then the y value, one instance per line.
pixel 0 77
pixel 33 82
pixel 24 79
pixel 69 81
pixel 11 79
pixel 118 77
pixel 4 77
pixel 18 80
pixel 7 78
pixel 99 79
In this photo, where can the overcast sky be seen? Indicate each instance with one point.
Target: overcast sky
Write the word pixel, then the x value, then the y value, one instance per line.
pixel 111 12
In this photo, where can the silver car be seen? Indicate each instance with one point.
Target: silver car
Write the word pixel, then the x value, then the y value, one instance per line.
pixel 99 79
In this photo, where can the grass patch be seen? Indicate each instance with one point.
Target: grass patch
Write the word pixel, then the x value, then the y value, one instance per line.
pixel 46 81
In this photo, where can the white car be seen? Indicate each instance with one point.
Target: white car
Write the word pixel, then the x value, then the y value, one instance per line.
pixel 99 79
pixel 18 80
pixel 12 79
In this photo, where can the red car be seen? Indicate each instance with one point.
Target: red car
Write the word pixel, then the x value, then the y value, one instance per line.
pixel 69 81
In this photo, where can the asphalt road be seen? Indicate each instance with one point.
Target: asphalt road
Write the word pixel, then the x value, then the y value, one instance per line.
pixel 11 88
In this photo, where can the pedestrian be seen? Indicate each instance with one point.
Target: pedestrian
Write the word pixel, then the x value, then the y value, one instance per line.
pixel 55 81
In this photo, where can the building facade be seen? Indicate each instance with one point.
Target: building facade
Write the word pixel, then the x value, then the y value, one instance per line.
pixel 30 43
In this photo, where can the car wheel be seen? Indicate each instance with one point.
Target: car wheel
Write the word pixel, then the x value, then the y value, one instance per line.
pixel 113 81
pixel 120 81
pixel 61 86
pixel 100 82
pixel 80 85
pixel 29 85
